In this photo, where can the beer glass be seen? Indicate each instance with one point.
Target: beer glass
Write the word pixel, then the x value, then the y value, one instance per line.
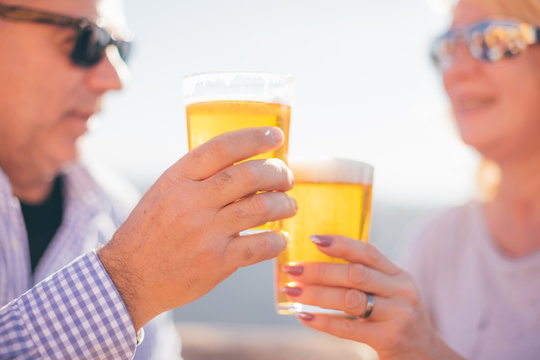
pixel 218 102
pixel 223 101
pixel 334 197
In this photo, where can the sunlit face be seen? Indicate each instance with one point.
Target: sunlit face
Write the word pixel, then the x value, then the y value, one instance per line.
pixel 496 105
pixel 45 100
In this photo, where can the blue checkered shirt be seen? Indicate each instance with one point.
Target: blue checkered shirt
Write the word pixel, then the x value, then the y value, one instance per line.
pixel 69 308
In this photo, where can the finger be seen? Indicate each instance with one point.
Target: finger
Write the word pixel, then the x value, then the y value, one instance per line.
pixel 250 249
pixel 356 251
pixel 256 210
pixel 350 301
pixel 226 149
pixel 247 178
pixel 355 276
pixel 362 331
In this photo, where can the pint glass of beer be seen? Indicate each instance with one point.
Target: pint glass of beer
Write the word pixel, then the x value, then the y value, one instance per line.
pixel 334 197
pixel 224 101
pixel 219 102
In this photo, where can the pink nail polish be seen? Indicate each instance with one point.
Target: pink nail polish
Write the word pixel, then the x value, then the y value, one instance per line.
pixel 293 270
pixel 291 291
pixel 321 240
pixel 305 316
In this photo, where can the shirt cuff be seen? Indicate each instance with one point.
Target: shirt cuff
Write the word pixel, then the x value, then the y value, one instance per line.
pixel 79 311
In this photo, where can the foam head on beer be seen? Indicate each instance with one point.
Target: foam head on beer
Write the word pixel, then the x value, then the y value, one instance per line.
pixel 331 170
pixel 226 101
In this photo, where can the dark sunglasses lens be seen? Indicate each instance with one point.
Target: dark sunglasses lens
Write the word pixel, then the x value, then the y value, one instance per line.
pixel 91 43
pixel 90 46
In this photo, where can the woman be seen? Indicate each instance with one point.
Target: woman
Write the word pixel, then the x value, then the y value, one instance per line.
pixel 476 268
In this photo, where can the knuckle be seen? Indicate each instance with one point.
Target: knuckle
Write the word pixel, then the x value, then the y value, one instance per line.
pixel 223 179
pixel 345 329
pixel 354 301
pixel 247 173
pixel 258 204
pixel 240 214
pixel 285 205
pixel 358 274
pixel 265 244
pixel 249 253
pixel 321 271
pixel 213 147
pixel 411 296
pixel 218 147
pixel 373 253
pixel 393 337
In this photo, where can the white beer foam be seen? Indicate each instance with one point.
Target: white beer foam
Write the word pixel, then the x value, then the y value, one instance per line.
pixel 235 86
pixel 237 97
pixel 331 170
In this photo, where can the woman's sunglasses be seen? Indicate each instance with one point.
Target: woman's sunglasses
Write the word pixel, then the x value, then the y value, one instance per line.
pixel 91 41
pixel 487 41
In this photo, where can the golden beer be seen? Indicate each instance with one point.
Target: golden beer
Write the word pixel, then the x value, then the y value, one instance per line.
pixel 208 119
pixel 334 197
pixel 220 102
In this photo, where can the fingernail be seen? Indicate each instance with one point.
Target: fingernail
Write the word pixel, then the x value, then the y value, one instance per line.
pixel 276 135
pixel 321 240
pixel 290 174
pixel 291 291
pixel 294 204
pixel 292 270
pixel 305 316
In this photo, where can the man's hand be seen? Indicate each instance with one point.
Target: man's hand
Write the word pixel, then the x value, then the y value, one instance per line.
pixel 182 239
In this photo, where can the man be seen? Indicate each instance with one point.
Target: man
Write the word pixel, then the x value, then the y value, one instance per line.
pixel 178 243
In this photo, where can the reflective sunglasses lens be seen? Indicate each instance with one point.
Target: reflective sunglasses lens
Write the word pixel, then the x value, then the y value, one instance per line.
pixel 441 51
pixel 124 49
pixel 496 40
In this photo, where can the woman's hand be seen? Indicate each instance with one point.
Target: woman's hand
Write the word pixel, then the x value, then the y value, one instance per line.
pixel 398 326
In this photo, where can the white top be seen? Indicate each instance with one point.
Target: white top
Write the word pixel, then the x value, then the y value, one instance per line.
pixel 485 304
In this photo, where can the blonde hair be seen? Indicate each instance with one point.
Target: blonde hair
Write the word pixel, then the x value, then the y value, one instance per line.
pixel 524 10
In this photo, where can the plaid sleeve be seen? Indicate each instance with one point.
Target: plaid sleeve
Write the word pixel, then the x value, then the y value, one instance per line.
pixel 75 313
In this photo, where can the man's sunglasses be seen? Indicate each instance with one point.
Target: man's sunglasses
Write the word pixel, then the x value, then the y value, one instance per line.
pixel 487 41
pixel 90 42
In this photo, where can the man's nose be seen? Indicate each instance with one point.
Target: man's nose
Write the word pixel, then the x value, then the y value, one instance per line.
pixel 111 73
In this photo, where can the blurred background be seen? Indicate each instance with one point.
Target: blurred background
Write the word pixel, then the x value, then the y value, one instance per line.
pixel 365 89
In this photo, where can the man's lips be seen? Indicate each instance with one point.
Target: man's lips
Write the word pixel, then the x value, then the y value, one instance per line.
pixel 79 115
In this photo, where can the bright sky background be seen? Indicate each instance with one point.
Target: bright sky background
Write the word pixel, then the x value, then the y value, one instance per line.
pixel 364 87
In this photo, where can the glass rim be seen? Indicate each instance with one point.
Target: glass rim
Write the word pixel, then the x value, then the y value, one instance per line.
pixel 328 169
pixel 202 74
pixel 270 87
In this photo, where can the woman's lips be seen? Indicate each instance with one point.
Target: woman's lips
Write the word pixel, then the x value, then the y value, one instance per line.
pixel 464 105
